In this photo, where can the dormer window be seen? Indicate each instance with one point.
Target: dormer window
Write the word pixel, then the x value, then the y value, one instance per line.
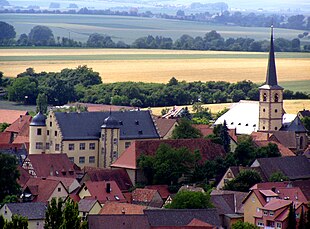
pixel 276 97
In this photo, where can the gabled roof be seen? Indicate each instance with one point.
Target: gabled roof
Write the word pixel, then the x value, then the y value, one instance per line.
pixel 162 190
pixel 305 113
pixel 296 126
pixel 164 125
pixel 10 116
pixel 66 181
pixel 20 125
pixel 24 176
pixel 275 204
pixel 133 124
pixel 98 190
pixel 143 195
pixel 128 159
pixel 118 221
pixel 286 138
pixel 31 210
pixel 54 165
pixel 207 130
pixel 85 205
pixel 181 217
pixel 294 168
pixel 120 176
pixel 121 208
pixel 42 189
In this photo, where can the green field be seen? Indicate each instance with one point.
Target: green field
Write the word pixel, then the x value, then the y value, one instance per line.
pixel 127 29
pixel 302 85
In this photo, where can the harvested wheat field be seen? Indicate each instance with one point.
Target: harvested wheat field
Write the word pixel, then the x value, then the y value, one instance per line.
pixel 290 106
pixel 158 65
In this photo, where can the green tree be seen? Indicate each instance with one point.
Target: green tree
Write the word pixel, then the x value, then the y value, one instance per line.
pixel 243 181
pixel 100 41
pixel 17 222
pixel 71 217
pixel 7 33
pixel 53 215
pixel 23 89
pixel 190 200
pixel 243 225
pixel 42 103
pixel 41 36
pixel 245 151
pixel 3 126
pixel 224 135
pixel 271 150
pixel 2 222
pixel 146 163
pixel 306 122
pixel 8 176
pixel 292 217
pixel 277 177
pixel 185 131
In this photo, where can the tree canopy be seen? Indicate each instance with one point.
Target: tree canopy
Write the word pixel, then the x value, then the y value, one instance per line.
pixel 8 176
pixel 243 181
pixel 190 200
pixel 7 32
pixel 41 36
pixel 184 130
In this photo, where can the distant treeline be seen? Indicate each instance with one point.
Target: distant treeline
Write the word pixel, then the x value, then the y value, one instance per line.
pixel 222 17
pixel 84 85
pixel 43 36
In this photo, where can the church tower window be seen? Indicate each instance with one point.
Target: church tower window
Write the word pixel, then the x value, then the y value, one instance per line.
pixel 276 98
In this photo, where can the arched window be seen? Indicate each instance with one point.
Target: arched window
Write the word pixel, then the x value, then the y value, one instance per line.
pixel 264 97
pixel 276 97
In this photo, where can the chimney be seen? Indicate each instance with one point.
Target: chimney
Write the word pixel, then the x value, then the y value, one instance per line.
pixel 108 187
pixel 273 189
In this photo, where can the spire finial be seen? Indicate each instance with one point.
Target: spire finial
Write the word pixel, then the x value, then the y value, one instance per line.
pixel 271 78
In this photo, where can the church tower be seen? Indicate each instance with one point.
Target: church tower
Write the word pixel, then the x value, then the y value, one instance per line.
pixel 270 97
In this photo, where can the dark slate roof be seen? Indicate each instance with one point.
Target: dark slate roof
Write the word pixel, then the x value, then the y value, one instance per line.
pixel 32 210
pixel 305 113
pixel 38 120
pixel 87 125
pixel 296 126
pixel 271 77
pixel 110 122
pixel 181 217
pixel 118 222
pixel 294 168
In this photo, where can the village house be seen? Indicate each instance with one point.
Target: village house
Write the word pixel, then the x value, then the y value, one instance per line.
pixel 88 207
pixel 94 139
pixel 117 208
pixel 34 212
pixel 147 197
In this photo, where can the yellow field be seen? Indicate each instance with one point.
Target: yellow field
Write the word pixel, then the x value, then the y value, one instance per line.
pixel 290 106
pixel 160 70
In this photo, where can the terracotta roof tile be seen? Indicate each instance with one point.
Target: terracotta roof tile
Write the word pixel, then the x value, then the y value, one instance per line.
pixel 162 189
pixel 5 137
pixel 66 181
pixel 275 204
pixel 286 138
pixel 42 189
pixel 10 116
pixel 164 125
pixel 98 190
pixel 54 164
pixel 143 195
pixel 20 125
pixel 122 208
pixel 129 157
pixel 196 222
pixel 120 176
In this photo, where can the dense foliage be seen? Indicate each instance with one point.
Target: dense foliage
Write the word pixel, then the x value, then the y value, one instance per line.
pixel 63 215
pixel 243 225
pixel 17 222
pixel 190 200
pixel 184 130
pixel 168 165
pixel 243 181
pixel 8 176
pixel 43 36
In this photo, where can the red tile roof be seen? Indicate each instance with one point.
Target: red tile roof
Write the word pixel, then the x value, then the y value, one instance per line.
pixel 120 176
pixel 54 165
pixel 162 190
pixel 275 204
pixel 116 208
pixel 9 116
pixel 198 223
pixel 207 130
pixel 42 189
pixel 128 159
pixel 164 125
pixel 24 176
pixel 66 181
pixel 98 190
pixel 143 195
pixel 5 137
pixel 20 125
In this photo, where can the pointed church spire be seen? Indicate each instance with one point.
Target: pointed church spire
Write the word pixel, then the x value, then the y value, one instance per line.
pixel 271 78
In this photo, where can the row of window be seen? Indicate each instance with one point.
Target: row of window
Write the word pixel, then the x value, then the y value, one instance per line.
pixel 39 145
pixel 276 110
pixel 271 224
pixel 276 97
pixel 91 146
pixel 91 159
pixel 39 132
